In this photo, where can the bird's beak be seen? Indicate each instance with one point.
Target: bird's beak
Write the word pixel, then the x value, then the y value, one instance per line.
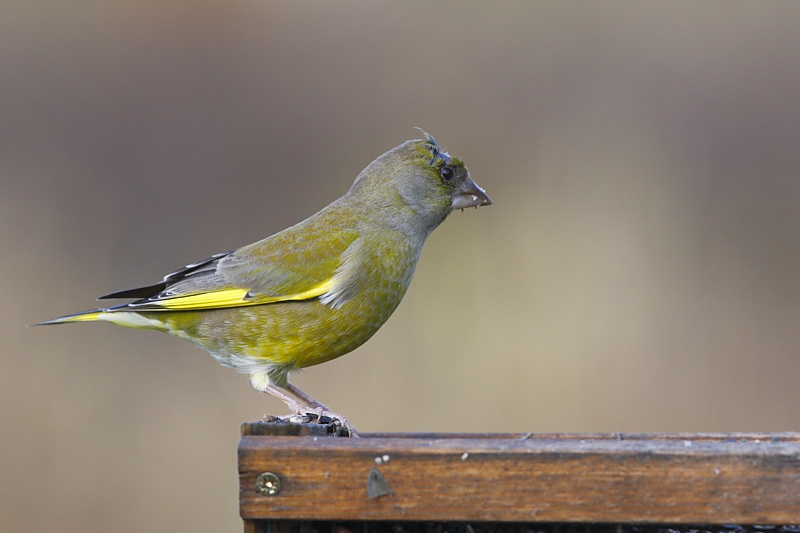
pixel 469 194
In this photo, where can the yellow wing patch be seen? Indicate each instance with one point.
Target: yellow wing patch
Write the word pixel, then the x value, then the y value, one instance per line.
pixel 313 292
pixel 203 300
pixel 230 298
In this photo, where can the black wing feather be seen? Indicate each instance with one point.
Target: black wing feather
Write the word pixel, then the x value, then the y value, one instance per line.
pixel 173 277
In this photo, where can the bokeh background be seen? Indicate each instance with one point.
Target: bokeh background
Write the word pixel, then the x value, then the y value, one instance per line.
pixel 638 271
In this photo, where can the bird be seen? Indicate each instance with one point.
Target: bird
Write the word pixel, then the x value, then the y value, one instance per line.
pixel 316 290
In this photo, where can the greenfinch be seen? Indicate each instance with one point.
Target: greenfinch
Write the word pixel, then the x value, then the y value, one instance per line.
pixel 316 290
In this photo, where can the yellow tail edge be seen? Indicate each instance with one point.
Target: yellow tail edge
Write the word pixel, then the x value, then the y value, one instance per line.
pixel 86 316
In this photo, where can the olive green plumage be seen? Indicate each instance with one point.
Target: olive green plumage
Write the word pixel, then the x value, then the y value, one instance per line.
pixel 316 290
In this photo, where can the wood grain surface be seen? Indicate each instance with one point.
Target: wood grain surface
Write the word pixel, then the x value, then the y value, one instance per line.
pixel 622 478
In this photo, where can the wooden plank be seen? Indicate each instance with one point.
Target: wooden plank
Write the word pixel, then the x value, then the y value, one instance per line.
pixel 698 478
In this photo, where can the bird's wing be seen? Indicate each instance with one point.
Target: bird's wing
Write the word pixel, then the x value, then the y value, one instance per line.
pixel 290 265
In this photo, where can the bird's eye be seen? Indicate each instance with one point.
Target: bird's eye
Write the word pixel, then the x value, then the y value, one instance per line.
pixel 447 173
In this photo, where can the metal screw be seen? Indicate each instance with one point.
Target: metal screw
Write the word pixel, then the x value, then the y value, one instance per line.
pixel 268 484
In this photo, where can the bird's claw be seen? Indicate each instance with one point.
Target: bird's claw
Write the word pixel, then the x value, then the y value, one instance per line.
pixel 304 414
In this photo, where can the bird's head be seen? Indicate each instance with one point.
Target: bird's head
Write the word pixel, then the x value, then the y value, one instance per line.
pixel 417 184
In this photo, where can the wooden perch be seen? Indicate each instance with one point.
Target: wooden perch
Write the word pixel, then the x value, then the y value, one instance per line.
pixel 610 478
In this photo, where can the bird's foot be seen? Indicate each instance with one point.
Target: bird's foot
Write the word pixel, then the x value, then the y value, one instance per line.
pixel 304 414
pixel 326 416
pixel 304 407
pixel 310 405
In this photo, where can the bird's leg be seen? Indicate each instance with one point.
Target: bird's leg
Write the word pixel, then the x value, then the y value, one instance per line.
pixel 321 409
pixel 307 404
pixel 305 397
pixel 296 407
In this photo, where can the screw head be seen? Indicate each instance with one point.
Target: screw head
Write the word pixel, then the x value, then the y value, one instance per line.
pixel 268 484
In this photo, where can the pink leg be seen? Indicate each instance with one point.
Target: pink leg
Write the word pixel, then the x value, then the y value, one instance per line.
pixel 307 404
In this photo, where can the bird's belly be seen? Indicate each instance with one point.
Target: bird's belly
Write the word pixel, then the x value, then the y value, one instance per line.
pixel 286 334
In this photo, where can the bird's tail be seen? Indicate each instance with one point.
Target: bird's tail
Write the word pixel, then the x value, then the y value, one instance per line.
pixel 109 314
pixel 86 316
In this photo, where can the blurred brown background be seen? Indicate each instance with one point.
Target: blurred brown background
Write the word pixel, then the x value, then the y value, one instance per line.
pixel 638 271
